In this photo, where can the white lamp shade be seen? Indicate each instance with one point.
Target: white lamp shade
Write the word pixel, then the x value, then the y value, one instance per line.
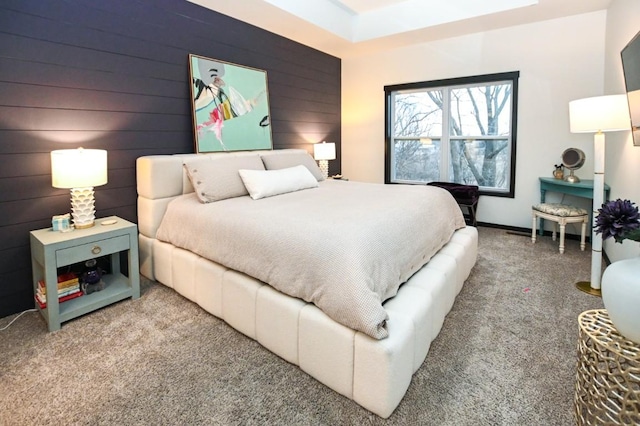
pixel 324 151
pixel 78 168
pixel 600 113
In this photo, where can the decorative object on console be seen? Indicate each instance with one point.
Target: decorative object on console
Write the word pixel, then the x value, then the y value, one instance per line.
pixel 230 106
pixel 620 219
pixel 323 152
pixel 61 223
pixel 92 277
pixel 558 173
pixel 597 115
pixel 79 170
pixel 572 159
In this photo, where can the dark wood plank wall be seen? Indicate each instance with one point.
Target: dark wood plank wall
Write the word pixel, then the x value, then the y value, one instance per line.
pixel 114 75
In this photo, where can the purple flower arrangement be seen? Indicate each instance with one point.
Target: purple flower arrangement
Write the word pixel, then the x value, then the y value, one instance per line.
pixel 619 219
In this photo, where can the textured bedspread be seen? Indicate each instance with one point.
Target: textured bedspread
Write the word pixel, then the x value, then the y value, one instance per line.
pixel 344 246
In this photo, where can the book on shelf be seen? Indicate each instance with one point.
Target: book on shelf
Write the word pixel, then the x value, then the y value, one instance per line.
pixel 43 302
pixel 70 286
pixel 65 282
pixel 69 290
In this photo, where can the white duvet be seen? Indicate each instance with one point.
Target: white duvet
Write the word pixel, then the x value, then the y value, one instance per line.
pixel 344 246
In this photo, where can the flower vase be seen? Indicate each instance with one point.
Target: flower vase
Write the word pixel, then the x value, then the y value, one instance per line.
pixel 621 296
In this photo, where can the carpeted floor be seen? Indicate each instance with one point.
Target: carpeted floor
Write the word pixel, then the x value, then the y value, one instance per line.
pixel 505 356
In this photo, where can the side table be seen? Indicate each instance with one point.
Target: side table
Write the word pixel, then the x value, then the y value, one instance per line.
pixel 51 250
pixel 608 373
pixel 583 189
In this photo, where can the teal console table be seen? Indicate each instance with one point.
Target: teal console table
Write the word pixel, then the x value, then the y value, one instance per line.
pixel 583 189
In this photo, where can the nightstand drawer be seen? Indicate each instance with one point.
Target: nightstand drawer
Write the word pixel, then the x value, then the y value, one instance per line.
pixel 91 250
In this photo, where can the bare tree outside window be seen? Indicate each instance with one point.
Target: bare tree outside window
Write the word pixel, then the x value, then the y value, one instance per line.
pixel 462 132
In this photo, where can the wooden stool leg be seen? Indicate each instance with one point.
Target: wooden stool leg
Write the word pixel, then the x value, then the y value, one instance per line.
pixel 533 228
pixel 584 231
pixel 553 233
pixel 472 215
pixel 562 226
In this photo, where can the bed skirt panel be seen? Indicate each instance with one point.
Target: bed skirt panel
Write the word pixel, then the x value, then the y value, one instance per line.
pixel 239 297
pixel 383 368
pixel 417 305
pixel 326 350
pixel 145 247
pixel 277 320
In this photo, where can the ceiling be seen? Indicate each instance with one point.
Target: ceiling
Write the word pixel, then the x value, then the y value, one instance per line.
pixel 351 27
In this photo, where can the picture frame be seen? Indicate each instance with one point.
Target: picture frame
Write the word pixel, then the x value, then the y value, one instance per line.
pixel 229 106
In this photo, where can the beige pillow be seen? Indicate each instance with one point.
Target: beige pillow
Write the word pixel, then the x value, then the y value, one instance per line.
pixel 275 160
pixel 217 178
pixel 267 183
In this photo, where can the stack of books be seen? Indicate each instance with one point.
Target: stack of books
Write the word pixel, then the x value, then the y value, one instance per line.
pixel 68 288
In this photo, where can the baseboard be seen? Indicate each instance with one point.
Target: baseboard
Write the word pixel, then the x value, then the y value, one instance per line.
pixel 526 232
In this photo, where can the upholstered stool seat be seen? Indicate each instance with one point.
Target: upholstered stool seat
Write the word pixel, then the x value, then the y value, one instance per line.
pixel 560 214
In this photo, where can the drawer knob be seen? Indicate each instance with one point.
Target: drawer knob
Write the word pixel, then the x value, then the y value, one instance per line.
pixel 96 250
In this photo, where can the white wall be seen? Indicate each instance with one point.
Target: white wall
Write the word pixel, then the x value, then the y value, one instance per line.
pixel 622 169
pixel 559 60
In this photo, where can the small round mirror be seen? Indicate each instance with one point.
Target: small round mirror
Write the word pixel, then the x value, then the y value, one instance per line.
pixel 573 159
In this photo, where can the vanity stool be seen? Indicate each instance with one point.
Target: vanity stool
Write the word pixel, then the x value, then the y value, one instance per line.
pixel 560 214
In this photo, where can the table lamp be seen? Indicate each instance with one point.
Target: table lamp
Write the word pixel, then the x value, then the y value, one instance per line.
pixel 597 115
pixel 323 152
pixel 79 170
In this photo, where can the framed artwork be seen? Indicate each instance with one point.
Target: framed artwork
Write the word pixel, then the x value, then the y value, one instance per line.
pixel 229 105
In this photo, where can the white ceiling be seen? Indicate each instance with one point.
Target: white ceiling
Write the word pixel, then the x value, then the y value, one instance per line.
pixel 350 27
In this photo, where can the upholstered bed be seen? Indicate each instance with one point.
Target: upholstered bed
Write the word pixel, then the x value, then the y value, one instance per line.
pixel 220 244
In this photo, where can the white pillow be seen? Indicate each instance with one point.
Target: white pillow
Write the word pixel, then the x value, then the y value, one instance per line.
pixel 266 183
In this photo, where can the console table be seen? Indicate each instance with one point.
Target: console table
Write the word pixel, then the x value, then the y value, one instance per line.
pixel 583 189
pixel 608 373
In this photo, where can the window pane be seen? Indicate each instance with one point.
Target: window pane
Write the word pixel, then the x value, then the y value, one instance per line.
pixel 480 162
pixel 416 114
pixel 417 161
pixel 481 110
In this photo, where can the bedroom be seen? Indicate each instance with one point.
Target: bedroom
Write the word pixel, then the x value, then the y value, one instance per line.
pixel 56 95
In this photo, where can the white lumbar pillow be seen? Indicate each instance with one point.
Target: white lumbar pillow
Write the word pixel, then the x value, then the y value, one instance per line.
pixel 267 183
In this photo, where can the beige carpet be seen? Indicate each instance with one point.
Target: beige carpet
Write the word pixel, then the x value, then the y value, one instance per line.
pixel 505 356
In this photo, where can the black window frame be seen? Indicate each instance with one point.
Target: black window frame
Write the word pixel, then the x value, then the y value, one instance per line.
pixel 512 76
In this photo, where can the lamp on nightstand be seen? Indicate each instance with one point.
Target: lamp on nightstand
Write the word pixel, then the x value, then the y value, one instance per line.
pixel 79 170
pixel 597 115
pixel 323 152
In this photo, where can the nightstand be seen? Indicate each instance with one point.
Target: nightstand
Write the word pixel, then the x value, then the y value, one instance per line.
pixel 51 250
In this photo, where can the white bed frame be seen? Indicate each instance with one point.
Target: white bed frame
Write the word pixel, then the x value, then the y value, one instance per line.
pixel 373 373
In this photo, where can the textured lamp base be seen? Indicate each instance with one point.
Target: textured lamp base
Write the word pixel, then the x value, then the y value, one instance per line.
pixel 324 167
pixel 585 286
pixel 83 207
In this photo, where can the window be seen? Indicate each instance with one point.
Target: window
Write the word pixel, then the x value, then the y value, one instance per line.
pixel 460 130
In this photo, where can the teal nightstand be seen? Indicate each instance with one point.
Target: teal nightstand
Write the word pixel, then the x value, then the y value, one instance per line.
pixel 51 250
